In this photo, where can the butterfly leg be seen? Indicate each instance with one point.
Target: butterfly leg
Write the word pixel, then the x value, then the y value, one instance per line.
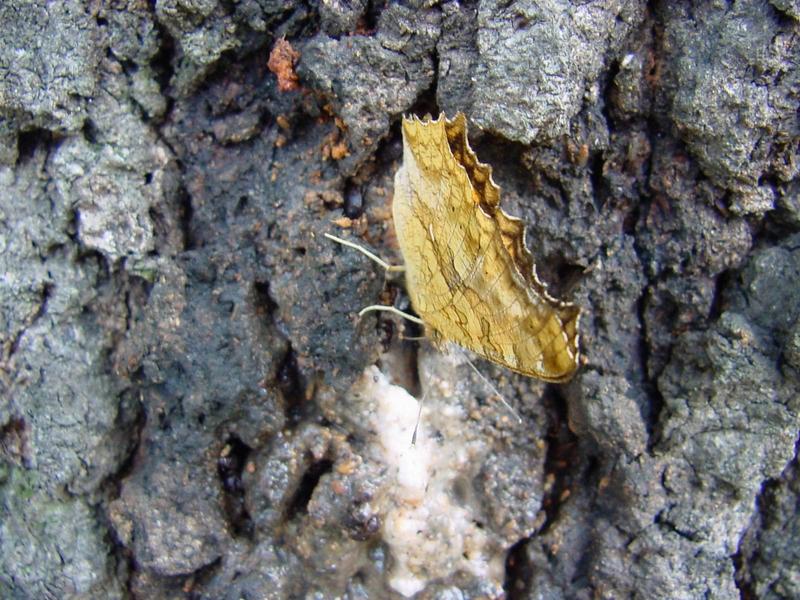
pixel 385 265
pixel 490 385
pixel 419 416
pixel 412 338
pixel 365 252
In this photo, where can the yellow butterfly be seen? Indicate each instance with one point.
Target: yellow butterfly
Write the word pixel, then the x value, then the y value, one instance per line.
pixel 469 274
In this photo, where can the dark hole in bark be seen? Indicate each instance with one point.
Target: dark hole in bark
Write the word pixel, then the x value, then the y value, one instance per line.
pixel 301 498
pixel 230 466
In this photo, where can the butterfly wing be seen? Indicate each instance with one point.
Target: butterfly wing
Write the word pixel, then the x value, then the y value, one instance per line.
pixel 466 261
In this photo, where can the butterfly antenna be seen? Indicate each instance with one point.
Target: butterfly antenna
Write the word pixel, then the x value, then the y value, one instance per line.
pixel 419 416
pixel 495 391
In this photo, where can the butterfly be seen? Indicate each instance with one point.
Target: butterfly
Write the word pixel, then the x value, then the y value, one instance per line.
pixel 469 274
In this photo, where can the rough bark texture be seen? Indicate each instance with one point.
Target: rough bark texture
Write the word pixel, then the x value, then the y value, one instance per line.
pixel 178 340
